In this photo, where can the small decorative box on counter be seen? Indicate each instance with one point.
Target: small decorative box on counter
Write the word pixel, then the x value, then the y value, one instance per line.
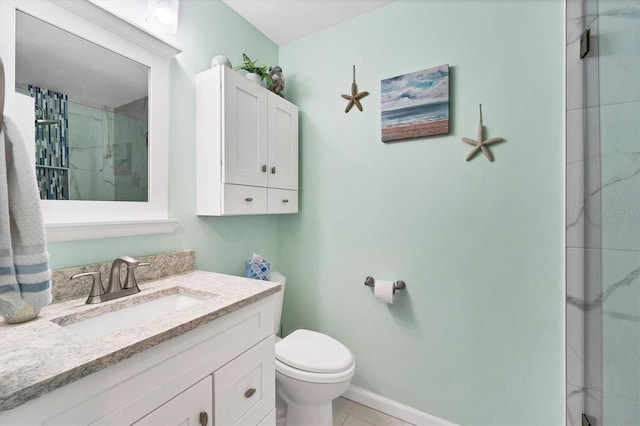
pixel 257 268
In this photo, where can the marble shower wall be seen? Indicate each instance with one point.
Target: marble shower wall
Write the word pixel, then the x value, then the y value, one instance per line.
pixel 131 151
pixel 603 213
pixel 108 153
pixel 91 175
pixel 619 67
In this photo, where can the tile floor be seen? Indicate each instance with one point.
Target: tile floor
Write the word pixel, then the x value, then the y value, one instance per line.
pixel 349 413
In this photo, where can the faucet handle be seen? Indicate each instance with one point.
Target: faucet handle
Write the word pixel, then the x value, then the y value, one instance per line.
pixel 130 281
pixel 97 289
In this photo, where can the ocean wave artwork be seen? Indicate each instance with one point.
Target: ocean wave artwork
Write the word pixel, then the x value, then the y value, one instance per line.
pixel 415 104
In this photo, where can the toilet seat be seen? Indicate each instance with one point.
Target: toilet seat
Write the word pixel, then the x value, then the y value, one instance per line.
pixel 314 357
pixel 307 376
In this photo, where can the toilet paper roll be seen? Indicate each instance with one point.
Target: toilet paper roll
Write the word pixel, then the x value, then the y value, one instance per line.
pixel 384 290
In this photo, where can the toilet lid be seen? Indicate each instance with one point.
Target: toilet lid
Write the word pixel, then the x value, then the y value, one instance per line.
pixel 314 352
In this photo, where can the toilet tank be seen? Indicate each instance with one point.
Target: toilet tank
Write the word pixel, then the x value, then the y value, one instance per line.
pixel 278 299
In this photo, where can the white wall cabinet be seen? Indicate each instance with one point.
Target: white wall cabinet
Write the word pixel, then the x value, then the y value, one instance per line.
pixel 225 369
pixel 246 147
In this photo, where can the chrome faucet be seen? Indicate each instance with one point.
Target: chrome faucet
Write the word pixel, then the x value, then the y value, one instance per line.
pixel 115 289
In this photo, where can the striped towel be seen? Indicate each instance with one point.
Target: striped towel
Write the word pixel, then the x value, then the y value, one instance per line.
pixel 24 261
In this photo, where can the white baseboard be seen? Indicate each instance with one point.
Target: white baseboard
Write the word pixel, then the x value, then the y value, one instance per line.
pixel 393 408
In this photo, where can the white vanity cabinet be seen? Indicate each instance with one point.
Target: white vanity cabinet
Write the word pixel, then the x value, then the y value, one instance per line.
pixel 224 369
pixel 242 394
pixel 246 147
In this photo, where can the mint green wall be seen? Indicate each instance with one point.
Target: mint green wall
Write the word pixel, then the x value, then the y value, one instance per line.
pixel 207 28
pixel 478 336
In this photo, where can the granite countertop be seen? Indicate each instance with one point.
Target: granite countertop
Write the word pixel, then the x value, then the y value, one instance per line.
pixel 40 356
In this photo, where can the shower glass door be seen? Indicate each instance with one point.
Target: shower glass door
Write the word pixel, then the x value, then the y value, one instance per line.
pixel 612 255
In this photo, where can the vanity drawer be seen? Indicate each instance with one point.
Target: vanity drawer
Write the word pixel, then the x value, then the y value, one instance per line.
pixel 241 199
pixel 282 201
pixel 244 389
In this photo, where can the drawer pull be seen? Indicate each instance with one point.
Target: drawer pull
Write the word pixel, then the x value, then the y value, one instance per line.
pixel 285 201
pixel 248 199
pixel 204 418
pixel 249 393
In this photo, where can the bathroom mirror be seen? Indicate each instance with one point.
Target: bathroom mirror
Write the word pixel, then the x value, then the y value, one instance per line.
pixel 145 61
pixel 91 116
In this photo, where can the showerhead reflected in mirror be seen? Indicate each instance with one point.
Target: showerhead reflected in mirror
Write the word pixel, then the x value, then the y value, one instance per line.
pixel 91 115
pixel 41 118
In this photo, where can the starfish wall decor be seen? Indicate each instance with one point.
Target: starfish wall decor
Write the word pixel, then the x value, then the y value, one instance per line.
pixel 354 97
pixel 481 145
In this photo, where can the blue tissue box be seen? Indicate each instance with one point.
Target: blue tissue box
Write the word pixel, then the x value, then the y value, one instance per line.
pixel 257 270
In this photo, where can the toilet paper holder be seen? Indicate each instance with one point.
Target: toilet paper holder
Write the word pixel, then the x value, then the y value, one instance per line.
pixel 397 285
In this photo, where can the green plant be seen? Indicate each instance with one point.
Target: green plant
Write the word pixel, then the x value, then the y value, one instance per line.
pixel 251 66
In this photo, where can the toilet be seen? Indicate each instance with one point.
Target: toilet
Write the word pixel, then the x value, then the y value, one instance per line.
pixel 312 369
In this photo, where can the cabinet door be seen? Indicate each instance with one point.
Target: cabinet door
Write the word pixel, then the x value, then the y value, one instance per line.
pixel 269 419
pixel 244 390
pixel 186 408
pixel 283 143
pixel 244 143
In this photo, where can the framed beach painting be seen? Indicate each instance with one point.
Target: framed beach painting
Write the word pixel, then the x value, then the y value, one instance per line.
pixel 416 104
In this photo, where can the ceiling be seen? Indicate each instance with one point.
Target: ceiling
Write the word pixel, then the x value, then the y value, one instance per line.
pixel 283 21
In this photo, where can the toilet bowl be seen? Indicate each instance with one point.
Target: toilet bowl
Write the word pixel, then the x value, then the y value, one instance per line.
pixel 312 369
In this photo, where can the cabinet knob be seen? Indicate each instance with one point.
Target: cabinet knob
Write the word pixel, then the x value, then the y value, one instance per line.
pixel 264 168
pixel 204 418
pixel 248 199
pixel 273 170
pixel 249 393
pixel 285 201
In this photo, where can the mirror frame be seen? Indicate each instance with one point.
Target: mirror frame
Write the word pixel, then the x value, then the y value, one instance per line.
pixel 71 219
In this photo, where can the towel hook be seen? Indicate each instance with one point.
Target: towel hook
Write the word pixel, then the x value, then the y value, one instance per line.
pixel 397 285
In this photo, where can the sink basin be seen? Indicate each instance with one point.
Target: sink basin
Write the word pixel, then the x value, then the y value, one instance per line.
pixel 109 322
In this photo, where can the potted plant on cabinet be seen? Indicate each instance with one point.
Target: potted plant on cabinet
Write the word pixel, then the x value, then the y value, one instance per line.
pixel 255 72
